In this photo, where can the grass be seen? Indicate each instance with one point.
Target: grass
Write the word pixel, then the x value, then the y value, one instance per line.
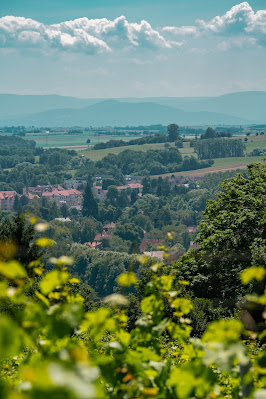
pixel 225 164
pixel 236 161
pixel 72 140
pixel 255 142
pixel 61 140
pixel 220 165
pixel 97 155
pixel 78 142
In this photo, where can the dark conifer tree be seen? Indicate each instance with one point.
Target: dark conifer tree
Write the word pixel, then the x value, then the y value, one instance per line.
pixel 90 206
pixel 146 182
pixel 134 197
pixel 16 205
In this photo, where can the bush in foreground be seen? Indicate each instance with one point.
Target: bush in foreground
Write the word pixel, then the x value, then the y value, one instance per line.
pixel 50 347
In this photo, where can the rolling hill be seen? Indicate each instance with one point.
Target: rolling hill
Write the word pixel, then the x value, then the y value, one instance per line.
pixel 114 113
pixel 234 108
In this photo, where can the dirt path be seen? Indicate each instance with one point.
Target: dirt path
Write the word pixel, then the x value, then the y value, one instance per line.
pixel 68 146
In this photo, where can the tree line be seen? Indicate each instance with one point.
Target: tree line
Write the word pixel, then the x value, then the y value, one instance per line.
pixel 219 148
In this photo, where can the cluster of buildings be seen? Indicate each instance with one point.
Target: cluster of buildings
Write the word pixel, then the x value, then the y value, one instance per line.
pixel 71 197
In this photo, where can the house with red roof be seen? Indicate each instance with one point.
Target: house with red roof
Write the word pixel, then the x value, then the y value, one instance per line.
pixel 7 199
pixel 70 196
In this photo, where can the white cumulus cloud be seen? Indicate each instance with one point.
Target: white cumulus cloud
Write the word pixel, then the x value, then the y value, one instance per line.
pixel 240 25
pixel 25 32
pixel 84 35
pixel 240 20
pixel 182 30
pixel 233 22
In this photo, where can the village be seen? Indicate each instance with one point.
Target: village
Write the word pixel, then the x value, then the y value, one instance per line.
pixel 70 194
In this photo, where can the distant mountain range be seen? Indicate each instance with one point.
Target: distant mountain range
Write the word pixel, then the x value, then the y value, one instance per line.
pixel 52 110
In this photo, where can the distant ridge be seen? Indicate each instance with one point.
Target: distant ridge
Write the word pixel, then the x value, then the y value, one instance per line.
pixel 234 108
pixel 116 113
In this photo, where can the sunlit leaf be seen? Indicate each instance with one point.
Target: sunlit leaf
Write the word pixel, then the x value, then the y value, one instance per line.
pixel 10 338
pixel 73 281
pixel 253 273
pixel 127 279
pixel 44 242
pixel 53 279
pixel 182 306
pixel 42 298
pixel 12 270
pixel 224 331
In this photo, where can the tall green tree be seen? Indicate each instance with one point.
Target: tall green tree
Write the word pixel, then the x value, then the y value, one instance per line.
pixel 16 205
pixel 88 230
pixel 113 195
pixel 173 132
pixel 146 182
pixel 53 210
pixel 209 134
pixel 90 206
pixel 232 237
pixel 64 211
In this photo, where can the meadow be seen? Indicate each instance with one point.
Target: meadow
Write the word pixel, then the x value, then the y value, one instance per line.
pixel 220 165
pixel 79 143
pixel 97 155
pixel 71 141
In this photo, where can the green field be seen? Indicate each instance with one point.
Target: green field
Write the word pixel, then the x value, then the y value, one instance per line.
pixel 255 142
pixel 97 155
pixel 71 140
pixel 220 165
pixel 78 142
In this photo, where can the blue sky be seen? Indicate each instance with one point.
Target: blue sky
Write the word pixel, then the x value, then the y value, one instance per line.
pixel 183 48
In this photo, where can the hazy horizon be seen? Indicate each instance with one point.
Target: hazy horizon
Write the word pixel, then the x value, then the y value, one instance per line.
pixel 133 97
pixel 116 49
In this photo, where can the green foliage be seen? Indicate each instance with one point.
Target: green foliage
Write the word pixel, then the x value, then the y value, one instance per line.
pixel 212 134
pixel 156 138
pixel 54 340
pixel 219 148
pixel 90 207
pixel 231 239
pixel 51 347
pixel 151 162
pixel 16 150
pixel 173 132
pixel 17 240
pixel 99 269
pixel 129 231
